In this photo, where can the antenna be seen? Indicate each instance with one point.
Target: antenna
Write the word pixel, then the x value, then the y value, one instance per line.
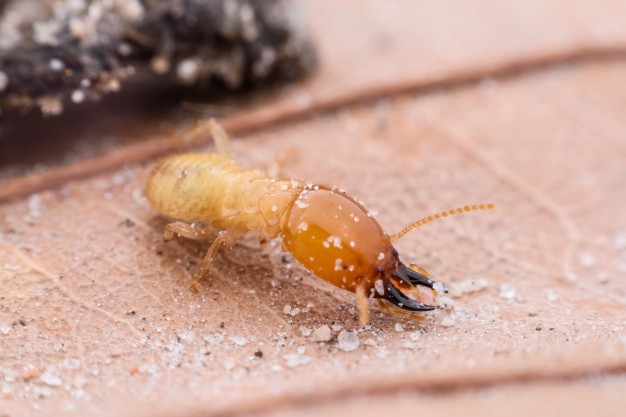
pixel 440 215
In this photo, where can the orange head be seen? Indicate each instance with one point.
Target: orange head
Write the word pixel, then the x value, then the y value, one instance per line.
pixel 337 239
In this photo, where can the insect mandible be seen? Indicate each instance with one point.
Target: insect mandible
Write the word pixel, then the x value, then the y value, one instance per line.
pixel 326 230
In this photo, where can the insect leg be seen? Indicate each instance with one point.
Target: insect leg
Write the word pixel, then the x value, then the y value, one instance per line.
pixel 276 169
pixel 398 298
pixel 186 230
pixel 361 298
pixel 217 133
pixel 222 143
pixel 393 311
pixel 223 238
pixel 398 313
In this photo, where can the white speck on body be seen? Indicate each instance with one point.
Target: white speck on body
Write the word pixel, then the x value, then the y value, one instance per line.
pixel 336 241
pixel 338 264
pixel 381 256
pixel 380 287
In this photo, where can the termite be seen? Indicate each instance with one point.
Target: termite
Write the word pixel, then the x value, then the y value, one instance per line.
pixel 329 232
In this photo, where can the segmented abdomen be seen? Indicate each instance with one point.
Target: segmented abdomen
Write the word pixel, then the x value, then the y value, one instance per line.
pixel 215 189
pixel 191 187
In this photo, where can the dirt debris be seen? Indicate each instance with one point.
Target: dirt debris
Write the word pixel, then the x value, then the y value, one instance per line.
pixel 57 52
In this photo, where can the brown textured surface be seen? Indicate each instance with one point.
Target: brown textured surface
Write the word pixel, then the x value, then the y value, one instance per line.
pixel 576 400
pixel 98 304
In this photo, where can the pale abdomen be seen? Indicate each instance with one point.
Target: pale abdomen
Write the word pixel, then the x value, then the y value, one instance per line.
pixel 192 187
pixel 214 189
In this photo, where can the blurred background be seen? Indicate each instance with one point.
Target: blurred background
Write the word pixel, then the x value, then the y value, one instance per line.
pixel 94 75
pixel 413 107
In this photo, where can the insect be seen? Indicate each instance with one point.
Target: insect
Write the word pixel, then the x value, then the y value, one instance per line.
pixel 329 232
